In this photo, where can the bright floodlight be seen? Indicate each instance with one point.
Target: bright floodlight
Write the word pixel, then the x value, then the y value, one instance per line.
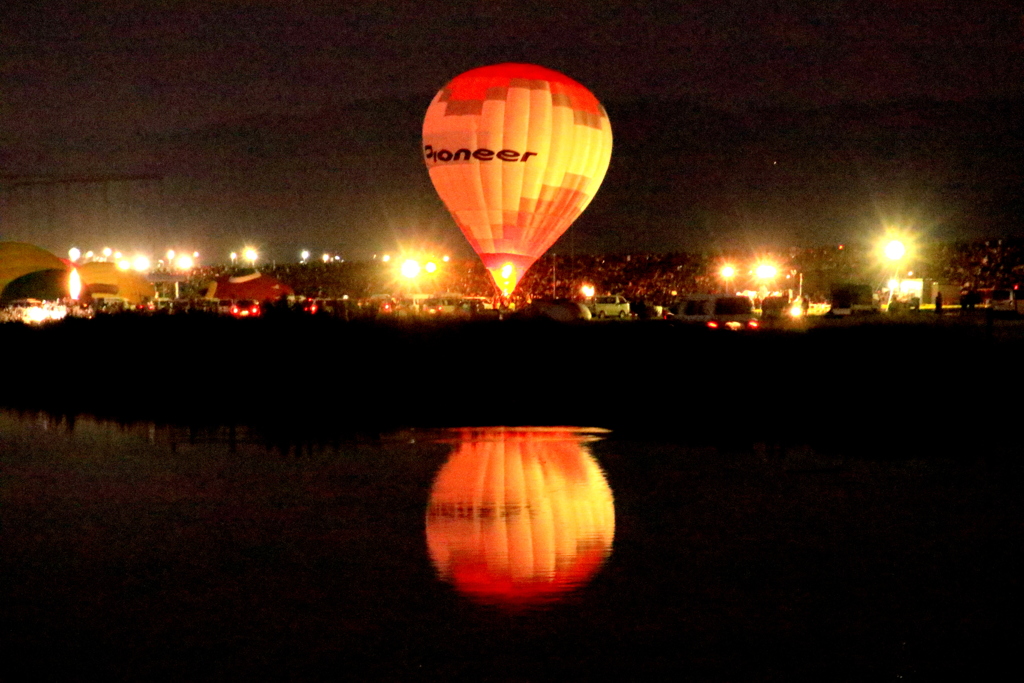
pixel 430 267
pixel 184 262
pixel 304 254
pixel 765 271
pixel 251 255
pixel 895 250
pixel 140 263
pixel 410 269
pixel 385 258
pixel 170 255
pixel 728 272
pixel 587 290
pixel 124 264
pixel 74 253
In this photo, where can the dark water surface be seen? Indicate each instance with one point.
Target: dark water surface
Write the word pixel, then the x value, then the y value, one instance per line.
pixel 147 551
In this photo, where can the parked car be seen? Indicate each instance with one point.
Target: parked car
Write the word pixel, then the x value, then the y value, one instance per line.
pixel 442 306
pixel 718 312
pixel 613 306
pixel 245 308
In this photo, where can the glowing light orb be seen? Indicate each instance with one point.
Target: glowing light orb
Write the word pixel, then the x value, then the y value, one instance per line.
pixel 766 271
pixel 895 250
pixel 410 268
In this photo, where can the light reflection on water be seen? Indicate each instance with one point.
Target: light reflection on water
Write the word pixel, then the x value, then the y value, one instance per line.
pixel 520 517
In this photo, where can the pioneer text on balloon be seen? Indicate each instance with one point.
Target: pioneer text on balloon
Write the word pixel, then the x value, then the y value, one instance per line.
pixel 481 154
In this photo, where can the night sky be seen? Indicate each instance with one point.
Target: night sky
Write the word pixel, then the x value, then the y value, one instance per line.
pixel 294 124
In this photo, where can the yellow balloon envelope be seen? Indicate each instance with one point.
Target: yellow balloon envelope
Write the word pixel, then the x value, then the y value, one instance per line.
pixel 516 152
pixel 18 259
pixel 103 280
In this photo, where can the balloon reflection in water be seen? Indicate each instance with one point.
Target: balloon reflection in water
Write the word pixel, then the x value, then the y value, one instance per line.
pixel 520 517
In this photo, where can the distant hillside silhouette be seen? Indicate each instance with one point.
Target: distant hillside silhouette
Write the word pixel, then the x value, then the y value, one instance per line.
pixel 683 176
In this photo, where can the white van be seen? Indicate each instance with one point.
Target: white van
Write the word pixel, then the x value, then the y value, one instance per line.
pixel 613 306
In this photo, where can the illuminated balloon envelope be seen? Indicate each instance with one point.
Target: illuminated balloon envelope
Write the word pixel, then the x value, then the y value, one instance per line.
pixel 516 152
pixel 519 518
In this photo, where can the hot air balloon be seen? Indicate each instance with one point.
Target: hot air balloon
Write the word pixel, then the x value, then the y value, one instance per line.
pixel 18 259
pixel 518 518
pixel 516 152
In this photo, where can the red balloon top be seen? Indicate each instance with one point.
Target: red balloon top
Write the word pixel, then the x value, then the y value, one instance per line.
pixel 474 84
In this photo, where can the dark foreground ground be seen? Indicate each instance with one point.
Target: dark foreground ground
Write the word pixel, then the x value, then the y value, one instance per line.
pixel 951 383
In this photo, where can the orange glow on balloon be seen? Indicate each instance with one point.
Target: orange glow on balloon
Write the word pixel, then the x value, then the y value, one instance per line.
pixel 519 518
pixel 516 152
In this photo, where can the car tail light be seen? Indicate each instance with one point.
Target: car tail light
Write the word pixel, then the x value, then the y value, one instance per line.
pixel 753 324
pixel 713 324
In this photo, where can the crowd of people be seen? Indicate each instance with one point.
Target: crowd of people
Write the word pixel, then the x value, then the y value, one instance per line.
pixel 658 279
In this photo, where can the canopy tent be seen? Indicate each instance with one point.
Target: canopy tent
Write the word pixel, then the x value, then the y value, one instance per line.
pixel 255 286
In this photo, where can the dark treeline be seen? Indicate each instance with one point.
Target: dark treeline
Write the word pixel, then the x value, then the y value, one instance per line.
pixel 926 388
